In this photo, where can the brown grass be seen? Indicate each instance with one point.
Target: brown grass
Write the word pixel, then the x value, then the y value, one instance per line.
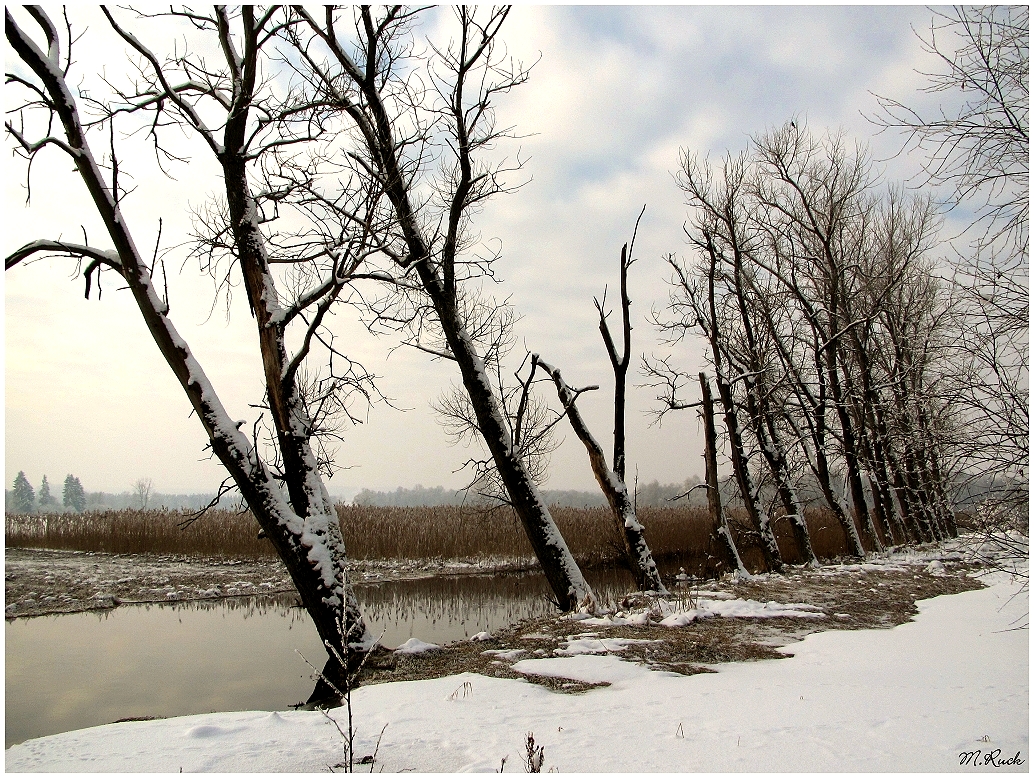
pixel 677 535
pixel 220 533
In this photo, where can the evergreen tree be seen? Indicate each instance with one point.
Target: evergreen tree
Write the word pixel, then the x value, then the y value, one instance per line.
pixel 74 496
pixel 46 499
pixel 24 495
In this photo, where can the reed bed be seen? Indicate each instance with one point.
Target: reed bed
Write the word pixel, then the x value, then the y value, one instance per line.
pixel 218 533
pixel 679 536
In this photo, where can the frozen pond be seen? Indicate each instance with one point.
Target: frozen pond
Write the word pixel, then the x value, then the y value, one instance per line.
pixel 79 670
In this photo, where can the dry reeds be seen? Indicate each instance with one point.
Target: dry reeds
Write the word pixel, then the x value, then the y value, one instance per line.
pixel 677 535
pixel 217 533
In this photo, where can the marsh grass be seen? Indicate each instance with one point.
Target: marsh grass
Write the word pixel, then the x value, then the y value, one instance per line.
pixel 678 535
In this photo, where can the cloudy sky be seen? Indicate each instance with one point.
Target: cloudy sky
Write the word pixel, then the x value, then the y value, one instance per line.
pixel 617 93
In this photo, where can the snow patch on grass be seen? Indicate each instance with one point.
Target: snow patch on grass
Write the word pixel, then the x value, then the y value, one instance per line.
pixel 416 646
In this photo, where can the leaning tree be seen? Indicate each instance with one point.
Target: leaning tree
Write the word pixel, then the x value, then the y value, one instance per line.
pixel 421 142
pixel 261 231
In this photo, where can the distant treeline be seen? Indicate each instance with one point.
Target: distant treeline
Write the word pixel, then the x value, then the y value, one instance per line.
pixel 103 501
pixel 653 494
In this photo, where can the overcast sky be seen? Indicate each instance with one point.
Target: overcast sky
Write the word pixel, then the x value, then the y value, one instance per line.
pixel 617 93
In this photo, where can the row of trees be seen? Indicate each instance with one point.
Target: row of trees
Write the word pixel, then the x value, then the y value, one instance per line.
pixel 844 348
pixel 815 292
pixel 25 499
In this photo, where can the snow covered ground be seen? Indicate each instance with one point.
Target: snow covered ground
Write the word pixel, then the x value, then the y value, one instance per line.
pixel 913 698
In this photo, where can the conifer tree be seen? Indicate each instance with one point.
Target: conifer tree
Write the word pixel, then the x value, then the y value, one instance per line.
pixel 74 496
pixel 24 494
pixel 46 499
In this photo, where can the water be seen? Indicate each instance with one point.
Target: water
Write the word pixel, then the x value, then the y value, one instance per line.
pixel 81 670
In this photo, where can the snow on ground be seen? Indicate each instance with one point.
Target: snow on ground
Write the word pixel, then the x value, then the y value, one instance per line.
pixel 912 698
pixel 721 604
pixel 415 646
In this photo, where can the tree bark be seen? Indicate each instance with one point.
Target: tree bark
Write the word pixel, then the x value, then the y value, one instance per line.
pixel 719 521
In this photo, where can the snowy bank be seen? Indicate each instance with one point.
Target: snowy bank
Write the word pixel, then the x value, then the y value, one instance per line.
pixel 912 698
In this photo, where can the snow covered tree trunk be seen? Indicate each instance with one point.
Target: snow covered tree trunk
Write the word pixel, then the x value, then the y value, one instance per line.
pixel 637 552
pixel 719 520
pixel 317 564
pixel 565 578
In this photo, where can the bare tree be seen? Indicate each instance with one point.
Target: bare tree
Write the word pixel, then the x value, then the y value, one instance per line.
pixel 142 488
pixel 977 150
pixel 828 335
pixel 698 302
pixel 724 232
pixel 421 141
pixel 253 123
pixel 612 481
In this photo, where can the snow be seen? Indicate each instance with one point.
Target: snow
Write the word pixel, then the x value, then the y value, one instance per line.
pixel 591 644
pixel 507 654
pixel 723 605
pixel 415 646
pixel 912 698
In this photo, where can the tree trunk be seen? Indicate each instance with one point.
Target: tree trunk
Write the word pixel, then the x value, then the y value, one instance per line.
pixel 775 456
pixel 849 441
pixel 637 552
pixel 561 570
pixel 719 521
pixel 740 466
pixel 310 546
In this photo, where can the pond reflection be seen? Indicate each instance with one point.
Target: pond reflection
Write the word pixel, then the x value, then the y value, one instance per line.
pixel 79 670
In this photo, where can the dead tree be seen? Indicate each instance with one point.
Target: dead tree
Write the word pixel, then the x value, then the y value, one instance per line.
pixel 612 481
pixel 365 78
pixel 287 497
pixel 632 532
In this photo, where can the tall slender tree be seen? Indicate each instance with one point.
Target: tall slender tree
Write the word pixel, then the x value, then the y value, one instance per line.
pixel 24 494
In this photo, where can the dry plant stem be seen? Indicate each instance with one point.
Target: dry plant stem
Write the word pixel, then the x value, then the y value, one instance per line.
pixel 533 755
